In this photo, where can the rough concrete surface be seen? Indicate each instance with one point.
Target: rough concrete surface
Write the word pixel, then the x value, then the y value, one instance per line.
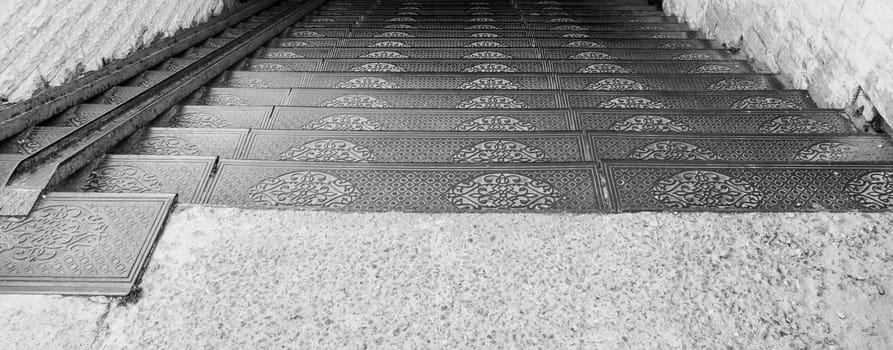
pixel 224 278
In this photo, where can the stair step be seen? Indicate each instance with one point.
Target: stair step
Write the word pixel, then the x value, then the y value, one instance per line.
pixel 415 33
pixel 387 187
pixel 402 147
pixel 488 19
pixel 740 148
pixel 719 186
pixel 707 122
pixel 499 54
pixel 187 176
pixel 490 43
pixel 484 99
pixel 77 115
pixel 497 81
pixel 184 142
pixel 737 100
pixel 214 117
pixel 117 95
pixel 595 27
pixel 101 243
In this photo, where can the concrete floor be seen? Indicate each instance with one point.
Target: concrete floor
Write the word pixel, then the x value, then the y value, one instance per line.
pixel 259 279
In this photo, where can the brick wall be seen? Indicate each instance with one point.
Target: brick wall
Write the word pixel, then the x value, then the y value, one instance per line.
pixel 51 41
pixel 830 47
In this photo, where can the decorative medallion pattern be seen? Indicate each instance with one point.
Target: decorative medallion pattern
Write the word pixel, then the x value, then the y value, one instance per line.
pixel 482 27
pixel 244 82
pixel 166 145
pixel 197 120
pixel 485 44
pixel 873 191
pixel 706 189
pixel 693 57
pixel 307 34
pixel 281 54
pixel 827 152
pixel 51 230
pixel 568 27
pixel 328 150
pixel 650 123
pixel 295 44
pixel 481 20
pixel 717 69
pixel 675 46
pixel 367 83
pixel 592 55
pixel 562 20
pixel 377 67
pixel 575 35
pixel 495 123
pixel 399 26
pixel 491 102
pixel 490 83
pixel 121 178
pixel 615 84
pixel 27 145
pixel 304 189
pixel 500 151
pixel 358 101
pixel 490 68
pixel 632 102
pixel 672 150
pixel 795 124
pixel 604 68
pixel 503 191
pixel 484 35
pixel 402 19
pixel 758 102
pixel 734 85
pixel 394 35
pixel 582 43
pixel 343 122
pixel 390 44
pixel 384 54
pixel 224 100
pixel 486 55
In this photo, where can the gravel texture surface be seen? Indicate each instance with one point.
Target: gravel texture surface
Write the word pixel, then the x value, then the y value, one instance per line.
pixel 226 278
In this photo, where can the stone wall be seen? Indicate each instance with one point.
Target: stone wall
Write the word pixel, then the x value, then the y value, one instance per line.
pixel 51 41
pixel 830 47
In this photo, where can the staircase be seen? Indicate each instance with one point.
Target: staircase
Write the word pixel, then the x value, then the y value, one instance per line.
pixel 440 106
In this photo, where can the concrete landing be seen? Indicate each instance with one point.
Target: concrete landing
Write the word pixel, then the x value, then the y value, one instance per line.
pixel 225 278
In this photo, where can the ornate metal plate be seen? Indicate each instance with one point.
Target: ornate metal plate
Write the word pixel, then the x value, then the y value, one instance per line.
pixel 587 63
pixel 291 53
pixel 474 43
pixel 608 17
pixel 409 33
pixel 431 65
pixel 32 140
pixel 711 186
pixel 417 19
pixel 579 54
pixel 484 99
pixel 259 80
pixel 486 53
pixel 733 100
pixel 612 27
pixel 580 35
pixel 459 81
pixel 739 148
pixel 441 26
pixel 749 122
pixel 79 243
pixel 402 147
pixel 224 143
pixel 637 82
pixel 368 119
pixel 387 187
pixel 281 65
pixel 317 32
pixel 148 78
pixel 301 43
pixel 237 97
pixel 186 176
pixel 214 117
pixel 599 43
